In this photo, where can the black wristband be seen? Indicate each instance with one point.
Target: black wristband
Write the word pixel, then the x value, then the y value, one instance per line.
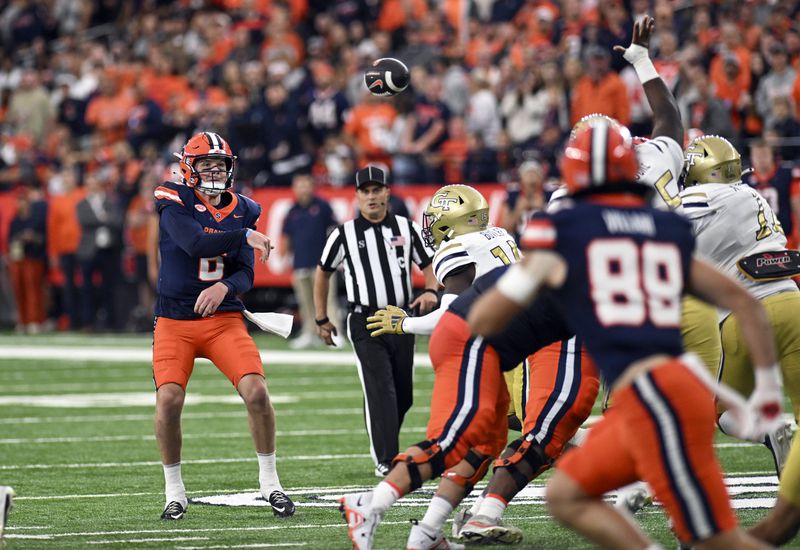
pixel 322 321
pixel 433 290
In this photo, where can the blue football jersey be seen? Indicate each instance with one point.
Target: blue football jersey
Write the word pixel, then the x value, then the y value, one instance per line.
pixel 539 325
pixel 201 245
pixel 626 272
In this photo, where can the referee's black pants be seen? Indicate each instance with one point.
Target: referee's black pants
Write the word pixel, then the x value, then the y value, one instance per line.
pixel 386 369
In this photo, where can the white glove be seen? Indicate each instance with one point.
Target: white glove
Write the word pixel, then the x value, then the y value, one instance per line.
pixel 766 401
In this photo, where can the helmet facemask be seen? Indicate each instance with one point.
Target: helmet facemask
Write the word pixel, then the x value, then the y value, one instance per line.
pixel 212 181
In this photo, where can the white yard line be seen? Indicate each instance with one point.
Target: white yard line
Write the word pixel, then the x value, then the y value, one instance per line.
pixel 158 463
pixel 105 418
pixel 133 355
pixel 223 435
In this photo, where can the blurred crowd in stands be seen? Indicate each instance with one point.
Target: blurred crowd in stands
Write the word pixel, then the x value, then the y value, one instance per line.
pixel 95 96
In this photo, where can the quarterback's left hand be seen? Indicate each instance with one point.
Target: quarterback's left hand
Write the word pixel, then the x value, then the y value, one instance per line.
pixel 210 299
pixel 386 321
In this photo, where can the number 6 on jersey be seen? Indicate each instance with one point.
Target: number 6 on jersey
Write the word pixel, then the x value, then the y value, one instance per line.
pixel 211 269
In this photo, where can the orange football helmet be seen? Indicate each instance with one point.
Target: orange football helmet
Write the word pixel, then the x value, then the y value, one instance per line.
pixel 598 154
pixel 206 145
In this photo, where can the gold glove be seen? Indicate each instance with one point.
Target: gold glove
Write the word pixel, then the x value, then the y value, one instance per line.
pixel 386 321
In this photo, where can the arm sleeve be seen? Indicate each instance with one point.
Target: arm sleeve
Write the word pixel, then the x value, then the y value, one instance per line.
pixel 189 235
pixel 420 253
pixel 242 279
pixel 426 323
pixel 449 257
pixel 333 253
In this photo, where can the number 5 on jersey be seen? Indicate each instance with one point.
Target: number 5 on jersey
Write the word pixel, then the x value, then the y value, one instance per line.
pixel 632 283
pixel 211 269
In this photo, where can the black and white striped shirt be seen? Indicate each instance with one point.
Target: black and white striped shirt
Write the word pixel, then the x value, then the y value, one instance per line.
pixel 377 259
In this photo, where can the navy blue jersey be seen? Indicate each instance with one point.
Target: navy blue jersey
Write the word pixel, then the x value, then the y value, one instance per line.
pixel 201 245
pixel 626 271
pixel 540 325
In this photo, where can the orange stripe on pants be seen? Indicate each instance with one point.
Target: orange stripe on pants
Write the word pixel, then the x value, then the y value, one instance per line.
pixel 27 278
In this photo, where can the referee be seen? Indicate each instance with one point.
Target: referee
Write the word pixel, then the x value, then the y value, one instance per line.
pixel 377 249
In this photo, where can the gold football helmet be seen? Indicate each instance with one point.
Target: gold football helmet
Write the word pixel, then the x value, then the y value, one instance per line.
pixel 711 159
pixel 587 119
pixel 454 210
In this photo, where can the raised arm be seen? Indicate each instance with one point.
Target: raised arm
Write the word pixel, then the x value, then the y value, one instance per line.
pixel 666 114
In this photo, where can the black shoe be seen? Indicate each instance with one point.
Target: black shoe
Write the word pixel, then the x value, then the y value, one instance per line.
pixel 382 469
pixel 282 505
pixel 174 510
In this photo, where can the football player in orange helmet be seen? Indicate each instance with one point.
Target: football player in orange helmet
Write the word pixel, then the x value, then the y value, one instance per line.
pixel 207 239
pixel 618 269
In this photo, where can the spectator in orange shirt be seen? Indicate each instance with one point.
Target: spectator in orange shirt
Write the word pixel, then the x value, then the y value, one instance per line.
pixel 369 129
pixel 63 236
pixel 732 45
pixel 729 89
pixel 454 151
pixel 600 91
pixel 396 14
pixel 109 111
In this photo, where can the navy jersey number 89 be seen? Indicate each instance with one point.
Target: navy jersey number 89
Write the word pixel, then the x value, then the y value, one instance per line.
pixel 627 269
pixel 201 245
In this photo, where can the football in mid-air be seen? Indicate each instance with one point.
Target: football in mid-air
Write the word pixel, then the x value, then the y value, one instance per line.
pixel 387 76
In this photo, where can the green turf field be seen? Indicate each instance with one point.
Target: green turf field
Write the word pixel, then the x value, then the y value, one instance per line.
pixel 76 442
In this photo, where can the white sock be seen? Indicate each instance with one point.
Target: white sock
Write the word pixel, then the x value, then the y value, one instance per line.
pixel 383 497
pixel 173 483
pixel 654 546
pixel 476 506
pixel 438 512
pixel 268 474
pixel 492 506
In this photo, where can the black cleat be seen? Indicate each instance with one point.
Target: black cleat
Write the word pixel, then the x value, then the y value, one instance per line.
pixel 7 495
pixel 174 510
pixel 282 505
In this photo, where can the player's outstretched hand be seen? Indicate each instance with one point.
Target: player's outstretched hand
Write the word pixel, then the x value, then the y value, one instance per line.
pixel 327 332
pixel 386 321
pixel 642 31
pixel 209 300
pixel 261 243
pixel 427 302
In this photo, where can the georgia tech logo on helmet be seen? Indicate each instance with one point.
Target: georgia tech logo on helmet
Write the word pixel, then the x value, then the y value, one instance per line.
pixel 691 158
pixel 441 200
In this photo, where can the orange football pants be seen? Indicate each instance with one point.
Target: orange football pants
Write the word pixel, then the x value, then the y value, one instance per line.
pixel 660 430
pixel 221 338
pixel 470 399
pixel 561 393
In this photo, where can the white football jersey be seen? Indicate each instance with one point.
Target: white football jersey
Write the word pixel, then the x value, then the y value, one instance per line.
pixel 730 223
pixel 660 166
pixel 486 249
